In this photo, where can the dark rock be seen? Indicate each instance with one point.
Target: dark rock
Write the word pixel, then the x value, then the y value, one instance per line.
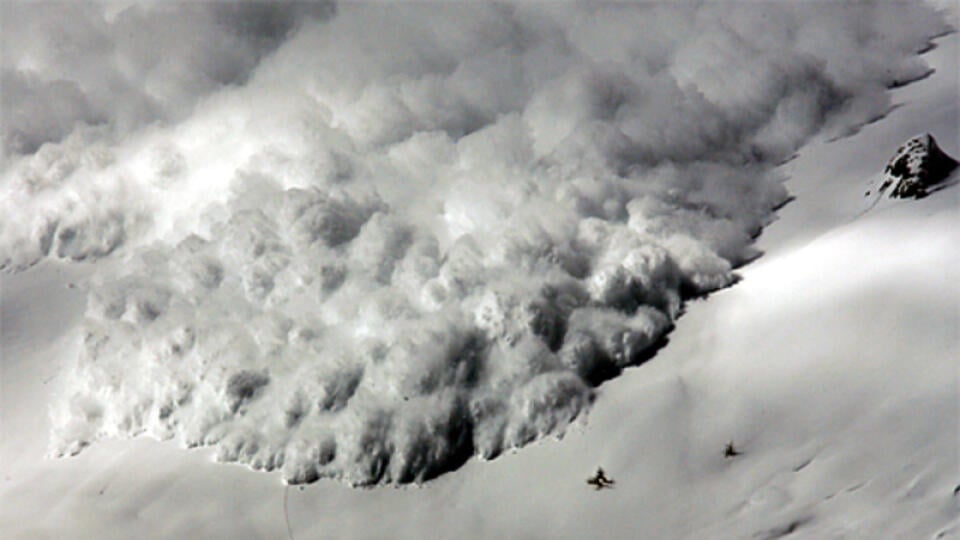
pixel 918 165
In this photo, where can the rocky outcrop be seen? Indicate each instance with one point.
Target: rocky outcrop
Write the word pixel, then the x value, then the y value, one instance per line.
pixel 918 166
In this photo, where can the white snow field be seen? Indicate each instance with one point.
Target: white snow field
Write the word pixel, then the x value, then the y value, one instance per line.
pixel 831 365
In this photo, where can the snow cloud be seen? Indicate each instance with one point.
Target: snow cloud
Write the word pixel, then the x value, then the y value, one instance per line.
pixel 369 241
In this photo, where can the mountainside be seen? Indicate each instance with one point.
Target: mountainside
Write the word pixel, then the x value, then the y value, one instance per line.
pixel 830 367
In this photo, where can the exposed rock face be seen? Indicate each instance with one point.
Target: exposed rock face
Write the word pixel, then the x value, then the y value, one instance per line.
pixel 918 165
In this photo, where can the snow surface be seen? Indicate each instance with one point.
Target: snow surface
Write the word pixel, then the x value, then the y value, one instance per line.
pixel 831 366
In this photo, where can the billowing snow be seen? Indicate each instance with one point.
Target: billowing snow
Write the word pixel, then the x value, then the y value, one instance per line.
pixel 831 365
pixel 386 240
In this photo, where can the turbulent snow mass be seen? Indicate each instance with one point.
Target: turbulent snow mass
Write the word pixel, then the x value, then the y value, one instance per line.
pixel 370 241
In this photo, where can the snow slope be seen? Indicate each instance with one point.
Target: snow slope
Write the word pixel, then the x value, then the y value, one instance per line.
pixel 831 366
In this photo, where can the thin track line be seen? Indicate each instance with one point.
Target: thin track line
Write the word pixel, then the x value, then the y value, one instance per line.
pixel 286 514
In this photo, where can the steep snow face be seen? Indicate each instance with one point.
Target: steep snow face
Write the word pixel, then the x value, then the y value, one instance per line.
pixel 415 234
pixel 918 166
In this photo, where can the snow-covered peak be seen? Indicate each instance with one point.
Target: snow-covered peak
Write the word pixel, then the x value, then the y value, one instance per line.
pixel 917 165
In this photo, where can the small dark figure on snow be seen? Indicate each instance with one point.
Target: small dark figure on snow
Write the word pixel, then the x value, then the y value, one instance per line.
pixel 600 480
pixel 730 451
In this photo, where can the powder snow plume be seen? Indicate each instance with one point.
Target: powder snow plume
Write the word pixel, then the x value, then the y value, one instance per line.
pixel 369 241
